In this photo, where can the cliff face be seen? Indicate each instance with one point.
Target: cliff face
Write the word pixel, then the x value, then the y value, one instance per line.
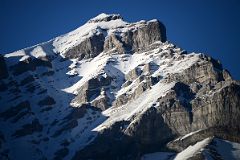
pixel 115 89
pixel 131 38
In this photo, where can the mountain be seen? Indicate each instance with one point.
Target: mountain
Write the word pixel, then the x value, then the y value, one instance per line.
pixel 116 90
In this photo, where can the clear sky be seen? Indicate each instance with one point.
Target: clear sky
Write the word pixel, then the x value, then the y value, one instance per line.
pixel 208 26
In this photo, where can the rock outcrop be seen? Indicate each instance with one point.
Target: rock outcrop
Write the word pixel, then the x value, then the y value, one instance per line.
pixel 137 39
pixel 89 48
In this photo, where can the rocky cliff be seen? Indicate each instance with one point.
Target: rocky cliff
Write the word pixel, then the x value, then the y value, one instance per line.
pixel 113 90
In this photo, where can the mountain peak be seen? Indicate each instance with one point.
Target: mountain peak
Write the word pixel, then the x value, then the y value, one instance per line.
pixel 103 17
pixel 113 82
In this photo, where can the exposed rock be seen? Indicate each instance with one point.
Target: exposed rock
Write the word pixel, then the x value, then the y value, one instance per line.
pixel 61 153
pixel 157 126
pixel 89 48
pixel 141 87
pixel 67 127
pixel 121 100
pixel 76 113
pixel 23 107
pixel 150 68
pixel 101 102
pixel 26 80
pixel 181 143
pixel 71 120
pixel 43 91
pixel 105 18
pixel 113 41
pixel 127 83
pixel 28 129
pixel 139 90
pixel 152 32
pixel 150 128
pixel 219 109
pixel 92 89
pixel 138 39
pixel 201 73
pixel 47 101
pixel 226 75
pixel 119 91
pixel 48 73
pixel 31 87
pixel 133 74
pixel 115 146
pixel 29 65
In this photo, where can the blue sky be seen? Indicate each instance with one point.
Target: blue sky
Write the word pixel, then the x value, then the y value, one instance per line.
pixel 208 26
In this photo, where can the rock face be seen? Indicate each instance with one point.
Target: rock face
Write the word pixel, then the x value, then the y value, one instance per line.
pixel 137 39
pixel 115 89
pixel 89 48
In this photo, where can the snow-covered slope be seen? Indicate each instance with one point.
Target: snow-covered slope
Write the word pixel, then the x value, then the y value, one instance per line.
pixel 94 26
pixel 58 98
pixel 208 149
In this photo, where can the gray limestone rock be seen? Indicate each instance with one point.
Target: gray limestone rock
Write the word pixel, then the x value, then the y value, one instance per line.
pixel 89 48
pixel 113 41
pixel 138 39
pixel 133 74
pixel 101 102
pixel 91 90
pixel 144 36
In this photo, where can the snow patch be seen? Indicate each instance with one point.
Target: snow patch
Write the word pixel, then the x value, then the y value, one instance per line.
pixel 192 150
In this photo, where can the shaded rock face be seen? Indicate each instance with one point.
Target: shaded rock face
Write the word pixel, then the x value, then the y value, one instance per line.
pixel 89 48
pixel 3 68
pixel 28 129
pixel 149 129
pixel 115 146
pixel 102 103
pixel 17 111
pixel 221 109
pixel 27 80
pixel 122 143
pixel 133 74
pixel 46 101
pixel 205 73
pixel 29 65
pixel 91 90
pixel 205 112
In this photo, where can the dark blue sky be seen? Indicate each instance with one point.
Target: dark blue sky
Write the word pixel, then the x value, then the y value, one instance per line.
pixel 209 26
